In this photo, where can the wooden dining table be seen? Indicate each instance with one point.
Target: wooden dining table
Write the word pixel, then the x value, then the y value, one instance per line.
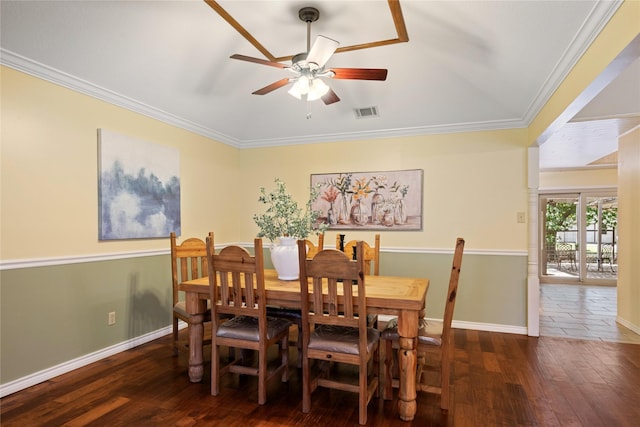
pixel 403 297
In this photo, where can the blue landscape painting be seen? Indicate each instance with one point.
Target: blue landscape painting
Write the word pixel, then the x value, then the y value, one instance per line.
pixel 139 189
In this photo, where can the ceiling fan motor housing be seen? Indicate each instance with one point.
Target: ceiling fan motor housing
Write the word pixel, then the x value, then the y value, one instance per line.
pixel 308 14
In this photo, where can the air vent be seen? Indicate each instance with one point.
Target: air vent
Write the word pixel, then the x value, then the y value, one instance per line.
pixel 366 113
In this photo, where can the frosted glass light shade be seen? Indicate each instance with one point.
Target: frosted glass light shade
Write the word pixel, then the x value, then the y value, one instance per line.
pixel 313 88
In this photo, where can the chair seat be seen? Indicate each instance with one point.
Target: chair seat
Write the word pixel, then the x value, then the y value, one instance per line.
pixel 429 332
pixel 288 313
pixel 246 328
pixel 340 339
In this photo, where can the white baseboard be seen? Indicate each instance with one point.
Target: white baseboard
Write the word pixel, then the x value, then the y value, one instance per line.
pixel 63 368
pixel 629 325
pixel 488 327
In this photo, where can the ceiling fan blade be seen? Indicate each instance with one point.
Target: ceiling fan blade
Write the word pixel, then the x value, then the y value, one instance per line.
pixel 330 97
pixel 258 61
pixel 322 50
pixel 273 86
pixel 360 73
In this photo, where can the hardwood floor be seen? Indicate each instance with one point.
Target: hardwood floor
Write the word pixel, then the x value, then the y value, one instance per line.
pixel 498 380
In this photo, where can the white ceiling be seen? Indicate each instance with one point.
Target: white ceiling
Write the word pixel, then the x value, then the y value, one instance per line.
pixel 468 65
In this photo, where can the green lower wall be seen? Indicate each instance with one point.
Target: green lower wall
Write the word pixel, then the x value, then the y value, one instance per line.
pixel 492 288
pixel 51 315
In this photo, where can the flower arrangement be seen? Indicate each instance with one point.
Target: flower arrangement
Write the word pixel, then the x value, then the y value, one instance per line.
pixel 361 189
pixel 330 195
pixel 400 189
pixel 284 218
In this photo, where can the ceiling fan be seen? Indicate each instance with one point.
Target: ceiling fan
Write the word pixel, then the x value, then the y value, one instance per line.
pixel 309 67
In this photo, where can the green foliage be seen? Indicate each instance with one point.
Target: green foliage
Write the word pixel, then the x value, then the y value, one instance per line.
pixel 284 218
pixel 561 216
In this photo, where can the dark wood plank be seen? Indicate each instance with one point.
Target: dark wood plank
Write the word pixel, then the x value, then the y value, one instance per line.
pixel 498 379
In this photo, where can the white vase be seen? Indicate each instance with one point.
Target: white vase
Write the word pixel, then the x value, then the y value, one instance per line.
pixel 284 257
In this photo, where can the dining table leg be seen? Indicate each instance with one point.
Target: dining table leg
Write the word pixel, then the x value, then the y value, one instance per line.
pixel 407 355
pixel 196 308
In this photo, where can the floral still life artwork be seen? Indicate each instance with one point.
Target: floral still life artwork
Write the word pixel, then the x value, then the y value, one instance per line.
pixel 370 200
pixel 139 188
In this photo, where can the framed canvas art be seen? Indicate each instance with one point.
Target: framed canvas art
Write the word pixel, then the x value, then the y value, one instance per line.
pixel 386 200
pixel 139 188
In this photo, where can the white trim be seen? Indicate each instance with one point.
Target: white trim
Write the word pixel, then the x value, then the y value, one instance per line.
pixel 628 325
pixel 42 71
pixel 490 327
pixel 63 368
pixel 592 27
pixel 498 252
pixel 414 250
pixel 54 371
pixel 595 22
pixel 533 279
pixel 44 262
pixel 460 324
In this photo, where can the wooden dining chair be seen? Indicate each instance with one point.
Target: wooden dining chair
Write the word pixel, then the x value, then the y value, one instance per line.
pixel 312 249
pixel 371 253
pixel 239 317
pixel 188 261
pixel 293 314
pixel 334 325
pixel 434 338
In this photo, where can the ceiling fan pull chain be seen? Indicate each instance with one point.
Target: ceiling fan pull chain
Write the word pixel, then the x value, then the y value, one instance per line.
pixel 308 109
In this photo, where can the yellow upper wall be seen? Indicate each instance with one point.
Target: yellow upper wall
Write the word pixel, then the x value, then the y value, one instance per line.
pixel 49 172
pixel 628 242
pixel 580 178
pixel 621 29
pixel 474 183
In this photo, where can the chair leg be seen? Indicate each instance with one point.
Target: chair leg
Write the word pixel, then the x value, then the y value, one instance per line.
pixel 387 393
pixel 175 336
pixel 362 396
pixel 262 377
pixel 299 344
pixel 215 369
pixel 284 357
pixel 444 380
pixel 306 386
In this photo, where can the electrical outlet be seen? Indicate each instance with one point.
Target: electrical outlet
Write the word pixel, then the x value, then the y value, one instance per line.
pixel 112 318
pixel 521 217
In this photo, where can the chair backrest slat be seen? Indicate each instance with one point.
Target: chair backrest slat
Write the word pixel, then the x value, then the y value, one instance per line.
pixel 453 289
pixel 337 295
pixel 312 249
pixel 188 261
pixel 371 253
pixel 236 280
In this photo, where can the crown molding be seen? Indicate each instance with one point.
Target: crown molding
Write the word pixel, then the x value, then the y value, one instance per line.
pixel 600 15
pixel 55 76
pixel 598 18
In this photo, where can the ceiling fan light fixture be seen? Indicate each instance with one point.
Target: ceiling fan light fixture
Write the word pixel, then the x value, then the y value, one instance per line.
pixel 317 89
pixel 313 88
pixel 300 87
